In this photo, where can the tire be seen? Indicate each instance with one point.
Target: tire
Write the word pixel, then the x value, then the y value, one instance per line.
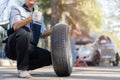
pixel 61 50
pixel 116 62
pixel 96 59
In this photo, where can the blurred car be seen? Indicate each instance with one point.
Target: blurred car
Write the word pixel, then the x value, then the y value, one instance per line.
pixel 101 49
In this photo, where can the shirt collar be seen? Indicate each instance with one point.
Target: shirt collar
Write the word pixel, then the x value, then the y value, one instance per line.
pixel 26 8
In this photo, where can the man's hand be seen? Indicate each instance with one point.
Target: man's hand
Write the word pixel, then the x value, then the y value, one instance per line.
pixel 47 33
pixel 36 16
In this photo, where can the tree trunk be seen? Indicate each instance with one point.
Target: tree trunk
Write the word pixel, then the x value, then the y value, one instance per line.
pixel 55 5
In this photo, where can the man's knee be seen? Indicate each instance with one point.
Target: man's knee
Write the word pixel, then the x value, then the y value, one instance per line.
pixel 23 32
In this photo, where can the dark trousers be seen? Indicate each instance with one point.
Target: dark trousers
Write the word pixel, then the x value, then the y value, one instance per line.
pixel 28 56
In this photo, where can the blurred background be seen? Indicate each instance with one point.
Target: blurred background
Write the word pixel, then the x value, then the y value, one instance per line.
pixel 93 16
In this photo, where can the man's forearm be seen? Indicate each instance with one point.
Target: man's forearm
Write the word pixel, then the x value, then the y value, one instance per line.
pixel 47 33
pixel 22 23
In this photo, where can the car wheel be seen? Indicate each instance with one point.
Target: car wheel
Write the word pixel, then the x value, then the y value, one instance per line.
pixel 61 50
pixel 96 59
pixel 116 62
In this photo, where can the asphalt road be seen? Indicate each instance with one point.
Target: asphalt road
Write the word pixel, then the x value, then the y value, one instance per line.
pixel 103 72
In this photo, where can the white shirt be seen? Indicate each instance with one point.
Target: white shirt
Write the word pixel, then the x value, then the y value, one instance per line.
pixel 19 13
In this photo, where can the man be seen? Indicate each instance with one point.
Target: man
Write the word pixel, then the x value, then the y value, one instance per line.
pixel 75 35
pixel 23 41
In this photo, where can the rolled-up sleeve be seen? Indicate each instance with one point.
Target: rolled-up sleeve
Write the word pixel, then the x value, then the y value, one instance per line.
pixel 14 16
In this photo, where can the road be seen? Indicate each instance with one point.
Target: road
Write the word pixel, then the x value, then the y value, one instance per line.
pixel 103 72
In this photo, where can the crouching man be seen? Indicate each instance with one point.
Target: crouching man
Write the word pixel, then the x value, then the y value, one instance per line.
pixel 26 28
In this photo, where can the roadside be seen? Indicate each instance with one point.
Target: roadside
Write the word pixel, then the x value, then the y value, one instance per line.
pixel 104 72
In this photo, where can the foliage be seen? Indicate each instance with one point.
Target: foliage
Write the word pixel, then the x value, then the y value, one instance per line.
pixel 44 6
pixel 85 13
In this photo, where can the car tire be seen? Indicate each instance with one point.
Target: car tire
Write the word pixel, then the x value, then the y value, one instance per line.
pixel 116 62
pixel 61 50
pixel 96 59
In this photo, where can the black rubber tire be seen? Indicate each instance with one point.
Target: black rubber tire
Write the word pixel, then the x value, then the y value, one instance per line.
pixel 96 59
pixel 61 50
pixel 116 62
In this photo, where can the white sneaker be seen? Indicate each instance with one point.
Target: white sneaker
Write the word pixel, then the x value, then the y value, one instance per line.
pixel 24 74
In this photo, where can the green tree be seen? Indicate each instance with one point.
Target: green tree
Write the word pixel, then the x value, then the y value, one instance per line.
pixel 86 13
pixel 44 6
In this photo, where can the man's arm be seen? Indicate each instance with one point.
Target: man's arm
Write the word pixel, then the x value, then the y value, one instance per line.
pixel 22 23
pixel 79 33
pixel 85 34
pixel 16 20
pixel 47 33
